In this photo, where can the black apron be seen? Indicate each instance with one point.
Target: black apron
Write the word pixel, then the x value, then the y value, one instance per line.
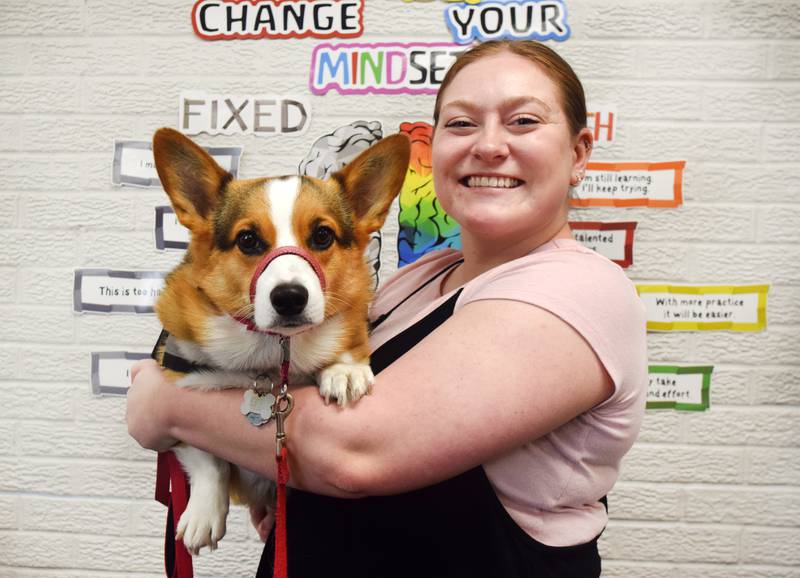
pixel 457 528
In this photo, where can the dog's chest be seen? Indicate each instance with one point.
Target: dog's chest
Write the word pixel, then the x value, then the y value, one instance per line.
pixel 232 350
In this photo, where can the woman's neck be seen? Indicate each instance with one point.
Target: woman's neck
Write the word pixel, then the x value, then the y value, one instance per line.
pixel 481 255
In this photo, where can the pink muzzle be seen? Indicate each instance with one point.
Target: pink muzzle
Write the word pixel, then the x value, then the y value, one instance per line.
pixel 269 258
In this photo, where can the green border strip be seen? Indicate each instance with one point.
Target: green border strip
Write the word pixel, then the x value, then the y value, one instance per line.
pixel 705 370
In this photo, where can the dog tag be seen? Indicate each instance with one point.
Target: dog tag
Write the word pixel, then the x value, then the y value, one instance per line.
pixel 257 407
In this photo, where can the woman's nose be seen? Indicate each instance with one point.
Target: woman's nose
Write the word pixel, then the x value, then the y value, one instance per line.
pixel 491 145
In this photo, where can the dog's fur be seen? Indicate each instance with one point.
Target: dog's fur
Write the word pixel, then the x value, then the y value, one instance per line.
pixel 233 224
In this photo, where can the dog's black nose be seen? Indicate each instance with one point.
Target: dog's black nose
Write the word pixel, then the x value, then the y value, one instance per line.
pixel 289 298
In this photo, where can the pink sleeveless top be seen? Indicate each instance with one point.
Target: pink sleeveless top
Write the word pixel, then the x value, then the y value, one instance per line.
pixel 552 485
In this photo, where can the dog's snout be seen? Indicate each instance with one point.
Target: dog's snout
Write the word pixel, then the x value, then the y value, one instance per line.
pixel 289 298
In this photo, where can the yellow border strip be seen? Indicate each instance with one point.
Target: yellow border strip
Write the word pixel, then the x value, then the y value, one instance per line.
pixel 759 325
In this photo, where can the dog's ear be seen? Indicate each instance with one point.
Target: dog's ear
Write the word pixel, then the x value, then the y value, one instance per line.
pixel 374 178
pixel 193 181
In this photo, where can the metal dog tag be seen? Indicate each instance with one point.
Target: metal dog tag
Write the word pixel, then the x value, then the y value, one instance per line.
pixel 257 407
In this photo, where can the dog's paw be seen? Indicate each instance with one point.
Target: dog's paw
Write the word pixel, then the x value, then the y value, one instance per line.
pixel 203 522
pixel 345 382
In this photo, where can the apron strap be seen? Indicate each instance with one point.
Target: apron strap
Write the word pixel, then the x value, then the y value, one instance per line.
pixel 374 324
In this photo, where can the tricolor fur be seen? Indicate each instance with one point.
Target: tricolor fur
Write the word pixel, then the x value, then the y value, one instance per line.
pixel 233 224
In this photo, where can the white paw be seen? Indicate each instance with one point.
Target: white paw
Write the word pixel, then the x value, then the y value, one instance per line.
pixel 345 382
pixel 203 522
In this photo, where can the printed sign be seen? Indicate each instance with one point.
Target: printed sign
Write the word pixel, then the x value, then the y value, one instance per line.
pixel 237 19
pixel 382 68
pixel 134 164
pixel 511 19
pixel 262 115
pixel 602 122
pixel 424 226
pixel 631 185
pixel 170 234
pixel 106 291
pixel 111 371
pixel 612 240
pixel 705 307
pixel 682 388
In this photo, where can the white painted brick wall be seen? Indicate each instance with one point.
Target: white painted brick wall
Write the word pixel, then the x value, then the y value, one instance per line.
pixel 714 82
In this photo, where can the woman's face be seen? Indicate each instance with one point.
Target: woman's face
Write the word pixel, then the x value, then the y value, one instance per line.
pixel 503 154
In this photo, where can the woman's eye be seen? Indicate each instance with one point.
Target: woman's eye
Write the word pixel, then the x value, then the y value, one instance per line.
pixel 525 120
pixel 458 124
pixel 322 238
pixel 249 243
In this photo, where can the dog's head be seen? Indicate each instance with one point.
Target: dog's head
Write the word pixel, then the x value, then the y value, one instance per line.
pixel 318 229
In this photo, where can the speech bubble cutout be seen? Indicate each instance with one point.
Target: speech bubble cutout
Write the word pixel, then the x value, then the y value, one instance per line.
pixel 134 165
pixel 612 240
pixel 111 371
pixel 107 291
pixel 681 388
pixel 705 307
pixel 631 185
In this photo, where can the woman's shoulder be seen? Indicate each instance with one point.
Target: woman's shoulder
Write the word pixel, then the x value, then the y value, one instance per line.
pixel 577 284
pixel 563 269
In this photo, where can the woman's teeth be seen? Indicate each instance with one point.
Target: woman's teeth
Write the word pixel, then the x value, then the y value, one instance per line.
pixel 498 182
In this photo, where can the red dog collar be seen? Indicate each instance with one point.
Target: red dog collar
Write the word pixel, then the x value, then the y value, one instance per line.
pixel 269 258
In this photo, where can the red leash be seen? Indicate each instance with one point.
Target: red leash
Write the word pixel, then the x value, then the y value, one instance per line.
pixel 283 405
pixel 280 570
pixel 172 490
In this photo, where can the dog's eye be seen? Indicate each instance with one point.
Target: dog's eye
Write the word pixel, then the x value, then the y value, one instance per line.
pixel 322 238
pixel 249 243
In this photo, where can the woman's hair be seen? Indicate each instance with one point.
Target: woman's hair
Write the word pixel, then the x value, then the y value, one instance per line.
pixel 548 60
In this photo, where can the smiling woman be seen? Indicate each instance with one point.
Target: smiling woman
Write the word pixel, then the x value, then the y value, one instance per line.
pixel 503 152
pixel 509 377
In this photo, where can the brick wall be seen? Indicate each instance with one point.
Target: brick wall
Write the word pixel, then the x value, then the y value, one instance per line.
pixel 702 495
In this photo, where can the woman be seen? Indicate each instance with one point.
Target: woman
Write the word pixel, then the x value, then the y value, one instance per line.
pixel 486 450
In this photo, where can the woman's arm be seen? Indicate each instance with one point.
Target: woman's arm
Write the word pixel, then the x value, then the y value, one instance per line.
pixel 494 376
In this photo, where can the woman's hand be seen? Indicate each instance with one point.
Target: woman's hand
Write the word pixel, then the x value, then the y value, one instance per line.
pixel 148 405
pixel 262 519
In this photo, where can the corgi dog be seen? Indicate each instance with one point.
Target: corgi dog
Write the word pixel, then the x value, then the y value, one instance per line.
pixel 268 257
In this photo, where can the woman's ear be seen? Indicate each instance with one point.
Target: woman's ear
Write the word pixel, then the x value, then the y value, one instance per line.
pixel 583 143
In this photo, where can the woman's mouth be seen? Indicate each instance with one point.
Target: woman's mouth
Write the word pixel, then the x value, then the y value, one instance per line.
pixel 475 181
